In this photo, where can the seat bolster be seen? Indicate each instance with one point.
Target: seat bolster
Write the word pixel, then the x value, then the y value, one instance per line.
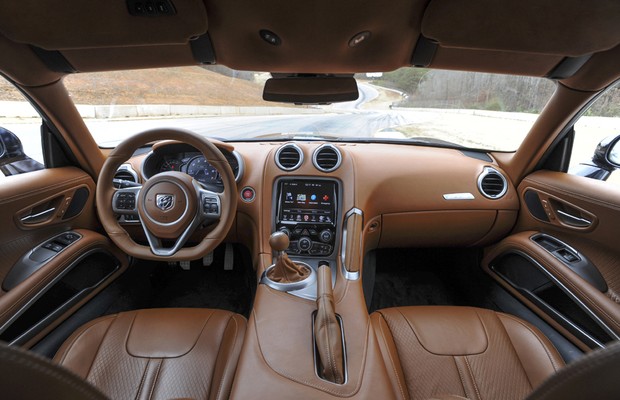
pixel 228 357
pixel 534 350
pixel 390 355
pixel 78 352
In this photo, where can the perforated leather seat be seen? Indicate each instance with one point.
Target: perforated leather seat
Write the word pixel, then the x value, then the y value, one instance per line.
pixel 444 352
pixel 158 353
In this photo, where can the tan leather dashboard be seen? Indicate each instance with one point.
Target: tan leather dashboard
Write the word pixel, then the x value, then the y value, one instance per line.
pixel 401 190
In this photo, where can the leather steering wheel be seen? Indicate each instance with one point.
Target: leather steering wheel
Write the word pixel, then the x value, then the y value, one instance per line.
pixel 170 205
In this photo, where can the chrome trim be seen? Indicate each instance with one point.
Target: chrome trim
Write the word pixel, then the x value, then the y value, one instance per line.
pixel 351 276
pixel 573 220
pixel 344 351
pixel 299 150
pixel 570 294
pixel 324 146
pixel 37 215
pixel 487 171
pixel 241 164
pixel 289 287
pixel 129 168
pixel 458 196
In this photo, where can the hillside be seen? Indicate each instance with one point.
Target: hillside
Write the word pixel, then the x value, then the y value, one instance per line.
pixel 181 85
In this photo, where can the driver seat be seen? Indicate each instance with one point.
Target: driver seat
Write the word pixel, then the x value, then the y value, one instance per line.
pixel 158 353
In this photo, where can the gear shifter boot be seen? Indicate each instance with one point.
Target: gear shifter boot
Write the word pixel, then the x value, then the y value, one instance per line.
pixel 285 270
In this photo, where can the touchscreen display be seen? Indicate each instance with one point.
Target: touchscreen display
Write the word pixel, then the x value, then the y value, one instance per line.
pixel 304 201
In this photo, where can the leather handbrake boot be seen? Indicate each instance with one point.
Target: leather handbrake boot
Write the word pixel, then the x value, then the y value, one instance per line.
pixel 285 270
pixel 327 333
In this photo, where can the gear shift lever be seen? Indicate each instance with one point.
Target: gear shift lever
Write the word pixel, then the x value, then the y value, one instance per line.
pixel 284 270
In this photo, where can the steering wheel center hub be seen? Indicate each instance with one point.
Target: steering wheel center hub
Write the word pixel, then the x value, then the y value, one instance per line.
pixel 168 204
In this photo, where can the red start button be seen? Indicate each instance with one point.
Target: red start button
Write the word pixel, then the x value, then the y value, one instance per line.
pixel 248 194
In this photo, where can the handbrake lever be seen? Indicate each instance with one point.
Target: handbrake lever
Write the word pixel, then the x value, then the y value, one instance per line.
pixel 327 331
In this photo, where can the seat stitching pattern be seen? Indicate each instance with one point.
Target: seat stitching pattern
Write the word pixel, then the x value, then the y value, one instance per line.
pixel 473 379
pixel 159 364
pixel 143 379
pixel 461 377
pixel 394 369
pixel 236 330
pixel 39 365
pixel 551 360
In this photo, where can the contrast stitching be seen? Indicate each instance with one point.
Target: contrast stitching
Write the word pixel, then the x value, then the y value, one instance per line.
pixel 221 385
pixel 143 379
pixel 473 379
pixel 461 377
pixel 555 366
pixel 394 369
pixel 155 382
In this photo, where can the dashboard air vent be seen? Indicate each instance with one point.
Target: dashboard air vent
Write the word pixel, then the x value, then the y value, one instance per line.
pixel 289 157
pixel 327 158
pixel 126 173
pixel 492 183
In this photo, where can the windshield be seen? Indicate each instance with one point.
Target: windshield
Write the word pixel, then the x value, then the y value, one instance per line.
pixel 474 110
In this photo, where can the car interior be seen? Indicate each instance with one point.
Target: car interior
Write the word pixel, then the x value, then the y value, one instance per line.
pixel 141 258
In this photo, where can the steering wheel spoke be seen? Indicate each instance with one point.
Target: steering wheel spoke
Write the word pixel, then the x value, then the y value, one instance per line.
pixel 211 205
pixel 125 201
pixel 157 247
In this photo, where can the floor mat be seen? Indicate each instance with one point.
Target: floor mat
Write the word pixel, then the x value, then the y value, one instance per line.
pixel 159 285
pixel 407 277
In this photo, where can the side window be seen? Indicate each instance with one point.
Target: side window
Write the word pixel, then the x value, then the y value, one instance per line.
pixel 20 133
pixel 599 125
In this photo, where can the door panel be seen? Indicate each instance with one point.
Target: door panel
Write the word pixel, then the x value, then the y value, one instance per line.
pixel 39 264
pixel 584 214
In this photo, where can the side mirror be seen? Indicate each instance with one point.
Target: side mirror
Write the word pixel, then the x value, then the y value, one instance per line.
pixel 607 153
pixel 10 145
pixel 13 160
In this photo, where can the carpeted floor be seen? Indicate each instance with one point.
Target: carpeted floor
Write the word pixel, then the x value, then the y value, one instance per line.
pixel 159 285
pixel 406 277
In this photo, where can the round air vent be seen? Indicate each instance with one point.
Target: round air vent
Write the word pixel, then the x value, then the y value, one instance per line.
pixel 289 157
pixel 492 183
pixel 326 158
pixel 126 173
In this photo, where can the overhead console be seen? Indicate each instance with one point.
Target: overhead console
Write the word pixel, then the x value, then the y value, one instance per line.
pixel 307 211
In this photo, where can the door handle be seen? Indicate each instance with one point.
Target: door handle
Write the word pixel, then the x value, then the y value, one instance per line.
pixel 570 219
pixel 38 217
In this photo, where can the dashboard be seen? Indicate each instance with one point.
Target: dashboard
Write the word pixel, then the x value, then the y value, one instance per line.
pixel 404 195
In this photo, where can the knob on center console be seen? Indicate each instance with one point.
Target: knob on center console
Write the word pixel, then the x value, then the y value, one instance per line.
pixel 278 241
pixel 304 243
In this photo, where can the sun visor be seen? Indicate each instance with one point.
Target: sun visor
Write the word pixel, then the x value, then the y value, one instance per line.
pixel 74 24
pixel 561 27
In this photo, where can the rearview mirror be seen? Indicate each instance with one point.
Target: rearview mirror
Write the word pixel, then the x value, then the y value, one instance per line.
pixel 310 89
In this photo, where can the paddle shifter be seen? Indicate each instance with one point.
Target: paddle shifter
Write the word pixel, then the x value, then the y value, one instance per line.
pixel 285 270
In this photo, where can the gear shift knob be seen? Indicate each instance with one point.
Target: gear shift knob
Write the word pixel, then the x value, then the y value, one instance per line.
pixel 278 241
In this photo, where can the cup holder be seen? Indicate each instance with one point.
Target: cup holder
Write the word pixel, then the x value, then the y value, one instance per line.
pixel 289 287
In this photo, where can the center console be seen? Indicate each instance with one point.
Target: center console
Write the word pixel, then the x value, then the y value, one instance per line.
pixel 307 211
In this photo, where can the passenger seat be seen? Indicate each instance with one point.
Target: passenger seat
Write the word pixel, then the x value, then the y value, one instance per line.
pixel 441 352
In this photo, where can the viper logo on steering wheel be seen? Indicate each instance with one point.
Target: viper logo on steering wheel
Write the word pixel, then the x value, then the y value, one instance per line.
pixel 164 201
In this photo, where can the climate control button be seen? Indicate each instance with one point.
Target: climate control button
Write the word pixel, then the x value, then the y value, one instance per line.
pixel 304 243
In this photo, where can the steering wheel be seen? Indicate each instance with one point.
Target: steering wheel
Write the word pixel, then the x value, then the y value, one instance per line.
pixel 170 205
